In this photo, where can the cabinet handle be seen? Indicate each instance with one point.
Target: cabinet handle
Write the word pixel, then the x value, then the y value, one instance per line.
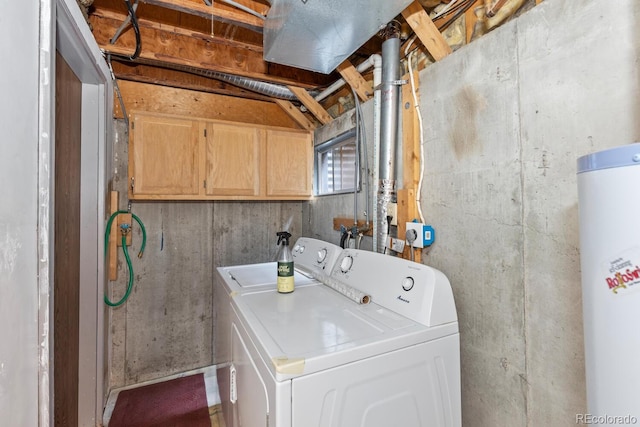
pixel 133 184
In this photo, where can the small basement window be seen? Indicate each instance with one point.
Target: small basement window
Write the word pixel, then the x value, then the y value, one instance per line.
pixel 335 165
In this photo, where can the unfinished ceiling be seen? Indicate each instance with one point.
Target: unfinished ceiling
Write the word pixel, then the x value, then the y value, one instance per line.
pixel 228 46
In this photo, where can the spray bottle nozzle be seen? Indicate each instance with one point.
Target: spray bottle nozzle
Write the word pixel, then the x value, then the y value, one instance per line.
pixel 283 236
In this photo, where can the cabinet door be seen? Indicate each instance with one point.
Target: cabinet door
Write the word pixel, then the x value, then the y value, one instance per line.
pixel 232 160
pixel 163 157
pixel 289 163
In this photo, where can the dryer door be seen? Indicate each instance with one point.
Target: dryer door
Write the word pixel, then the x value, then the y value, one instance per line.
pixel 248 391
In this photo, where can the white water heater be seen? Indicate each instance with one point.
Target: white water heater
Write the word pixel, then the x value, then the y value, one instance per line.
pixel 609 211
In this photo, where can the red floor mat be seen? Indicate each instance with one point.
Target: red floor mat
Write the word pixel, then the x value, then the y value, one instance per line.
pixel 174 403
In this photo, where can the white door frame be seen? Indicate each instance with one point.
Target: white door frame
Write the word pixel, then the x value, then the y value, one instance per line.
pixel 63 28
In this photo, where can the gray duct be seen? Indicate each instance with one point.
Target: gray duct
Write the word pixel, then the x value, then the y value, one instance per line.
pixel 389 106
pixel 264 88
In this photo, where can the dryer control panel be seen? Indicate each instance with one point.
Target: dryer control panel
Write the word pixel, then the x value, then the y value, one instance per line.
pixel 413 290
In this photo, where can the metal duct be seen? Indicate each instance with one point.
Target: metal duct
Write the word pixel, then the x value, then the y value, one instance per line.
pixel 264 88
pixel 390 88
pixel 319 35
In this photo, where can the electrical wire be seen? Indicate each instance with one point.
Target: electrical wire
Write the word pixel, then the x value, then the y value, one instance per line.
pixel 365 157
pixel 239 6
pixel 457 11
pixel 131 17
pixel 136 29
pixel 365 154
pixel 357 161
pixel 411 236
pixel 417 107
pixel 444 9
pixel 117 89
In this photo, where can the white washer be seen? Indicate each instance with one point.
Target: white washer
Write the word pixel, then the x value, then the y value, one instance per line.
pixel 313 261
pixel 318 358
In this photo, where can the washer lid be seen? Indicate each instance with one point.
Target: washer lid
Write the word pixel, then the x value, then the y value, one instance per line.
pixel 625 155
pixel 251 276
pixel 316 328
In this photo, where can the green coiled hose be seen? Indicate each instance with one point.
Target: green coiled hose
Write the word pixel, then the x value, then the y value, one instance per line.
pixel 126 254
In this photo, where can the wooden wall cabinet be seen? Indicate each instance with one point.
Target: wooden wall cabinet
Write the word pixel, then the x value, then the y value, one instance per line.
pixel 179 158
pixel 289 158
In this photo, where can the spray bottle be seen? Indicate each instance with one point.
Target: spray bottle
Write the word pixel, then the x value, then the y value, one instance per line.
pixel 285 264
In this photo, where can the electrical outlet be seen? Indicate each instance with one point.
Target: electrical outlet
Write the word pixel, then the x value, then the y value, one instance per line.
pixel 417 228
pixel 392 211
pixel 397 245
pixel 425 234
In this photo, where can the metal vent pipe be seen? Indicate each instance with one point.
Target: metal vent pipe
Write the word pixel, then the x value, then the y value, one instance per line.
pixel 389 107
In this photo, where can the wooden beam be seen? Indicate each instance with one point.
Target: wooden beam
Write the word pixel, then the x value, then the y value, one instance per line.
pixel 355 80
pixel 410 136
pixel 162 99
pixel 218 11
pixel 407 204
pixel 160 46
pixel 113 247
pixel 406 208
pixel 160 76
pixel 470 19
pixel 312 105
pixel 426 30
pixel 296 114
pixel 491 12
pixel 155 25
pixel 348 223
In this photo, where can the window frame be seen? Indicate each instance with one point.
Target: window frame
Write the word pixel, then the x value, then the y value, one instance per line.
pixel 324 147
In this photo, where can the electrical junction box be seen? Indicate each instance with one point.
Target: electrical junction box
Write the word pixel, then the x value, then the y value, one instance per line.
pixel 425 234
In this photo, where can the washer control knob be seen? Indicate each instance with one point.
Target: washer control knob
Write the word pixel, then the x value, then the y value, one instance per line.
pixel 301 249
pixel 407 283
pixel 322 255
pixel 296 248
pixel 346 263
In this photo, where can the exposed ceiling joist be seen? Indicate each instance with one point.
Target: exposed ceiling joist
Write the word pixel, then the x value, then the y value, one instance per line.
pixel 188 32
pixel 187 43
pixel 355 80
pixel 312 105
pixel 426 31
pixel 162 46
pixel 218 11
pixel 296 114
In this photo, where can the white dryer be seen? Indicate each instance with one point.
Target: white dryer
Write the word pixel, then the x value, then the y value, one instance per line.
pixel 319 358
pixel 313 261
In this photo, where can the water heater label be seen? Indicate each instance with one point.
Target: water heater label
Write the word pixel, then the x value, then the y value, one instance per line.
pixel 623 272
